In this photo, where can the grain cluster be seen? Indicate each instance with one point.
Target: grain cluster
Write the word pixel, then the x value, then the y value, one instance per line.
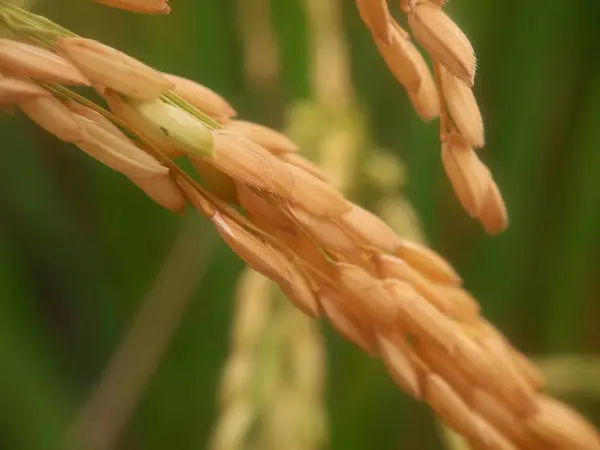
pixel 396 300
pixel 447 94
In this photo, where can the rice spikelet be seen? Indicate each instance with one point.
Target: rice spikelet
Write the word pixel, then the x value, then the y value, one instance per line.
pixel 14 91
pixel 427 262
pixel 249 163
pixel 345 322
pixel 376 16
pixel 118 153
pixel 266 137
pixel 400 366
pixel 112 68
pixel 443 40
pixel 164 191
pixel 463 109
pixel 400 56
pixel 468 175
pixel 202 98
pixel 29 61
pixel 54 117
pixel 493 214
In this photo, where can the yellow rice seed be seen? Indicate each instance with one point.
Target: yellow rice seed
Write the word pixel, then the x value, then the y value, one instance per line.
pixel 261 207
pixel 443 39
pixel 428 262
pixel 114 69
pixel 493 214
pixel 299 292
pixel 316 196
pixel 370 229
pixel 398 362
pixel 139 6
pixel 258 254
pixel 164 191
pixel 219 183
pixel 54 117
pixel 419 317
pixel 401 56
pixel 327 233
pixel 470 179
pixel 14 91
pixel 249 163
pixel 463 108
pixel 266 137
pixel 203 98
pixel 367 295
pixel 497 413
pixel 301 162
pixel 389 266
pixel 116 152
pixel 563 427
pixel 450 406
pixel 29 61
pixel 345 322
pixel 376 16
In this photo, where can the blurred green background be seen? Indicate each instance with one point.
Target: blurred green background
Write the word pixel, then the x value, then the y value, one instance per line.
pixel 80 246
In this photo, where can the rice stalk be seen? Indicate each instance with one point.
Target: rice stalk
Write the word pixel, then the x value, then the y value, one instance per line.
pixel 116 394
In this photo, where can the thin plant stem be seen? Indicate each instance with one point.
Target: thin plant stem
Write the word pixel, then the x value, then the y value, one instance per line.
pixel 114 397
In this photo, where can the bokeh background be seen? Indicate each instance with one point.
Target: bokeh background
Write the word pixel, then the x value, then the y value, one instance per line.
pixel 80 246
